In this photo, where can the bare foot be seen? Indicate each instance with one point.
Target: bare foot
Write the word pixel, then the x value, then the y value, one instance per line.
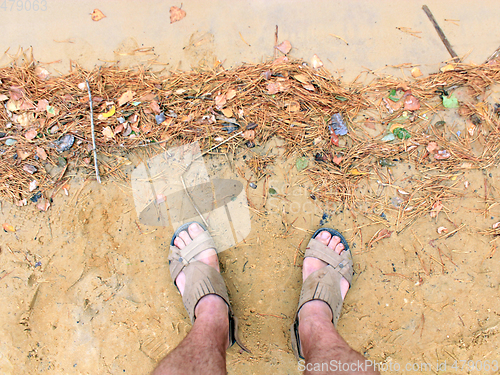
pixel 209 304
pixel 317 309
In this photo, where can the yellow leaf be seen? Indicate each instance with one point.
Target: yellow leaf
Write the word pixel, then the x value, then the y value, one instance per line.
pixel 302 78
pixel 453 178
pixel 110 113
pixel 8 228
pixel 355 172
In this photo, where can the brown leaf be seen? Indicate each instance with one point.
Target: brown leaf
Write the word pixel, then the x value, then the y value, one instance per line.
pixel 411 103
pixel 26 105
pixel 146 127
pixel 284 47
pixel 381 234
pixel 97 15
pixel 126 97
pixel 3 97
pixel 108 133
pixel 228 112
pixel 42 105
pixel 220 100
pixel 272 88
pixel 41 153
pixel 442 155
pixel 308 86
pixel 280 60
pixel 294 106
pixel 118 129
pixel 147 97
pixel 21 154
pixel 302 78
pixel 370 123
pixel 337 159
pixel 16 92
pixel 230 94
pixel 249 135
pixel 31 134
pixel 42 73
pixel 155 107
pixel 432 146
pixel 176 14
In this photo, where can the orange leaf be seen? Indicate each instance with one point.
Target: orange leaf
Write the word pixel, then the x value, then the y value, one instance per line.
pixel 155 107
pixel 337 159
pixel 97 15
pixel 176 14
pixel 384 233
pixel 8 228
pixel 31 134
pixel 334 139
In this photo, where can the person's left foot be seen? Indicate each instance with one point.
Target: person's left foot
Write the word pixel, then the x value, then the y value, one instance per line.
pixel 211 303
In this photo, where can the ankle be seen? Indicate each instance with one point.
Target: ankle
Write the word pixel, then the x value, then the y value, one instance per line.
pixel 212 306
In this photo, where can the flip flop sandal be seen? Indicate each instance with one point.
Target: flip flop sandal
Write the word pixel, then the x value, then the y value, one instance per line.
pixel 201 279
pixel 324 284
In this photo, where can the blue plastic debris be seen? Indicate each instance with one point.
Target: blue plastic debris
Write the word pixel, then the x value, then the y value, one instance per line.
pixel 337 124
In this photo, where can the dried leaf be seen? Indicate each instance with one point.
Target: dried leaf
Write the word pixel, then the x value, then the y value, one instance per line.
pixel 155 107
pixel 432 146
pixel 16 92
pixel 26 105
pixel 8 228
pixel 316 62
pixel 302 78
pixel 442 155
pixel 496 225
pixel 301 163
pixel 220 100
pixel 284 47
pixel 31 134
pixel 176 14
pixel 107 132
pixel 370 123
pixel 25 119
pixel 3 97
pixel 146 127
pixel 126 97
pixel 52 111
pixel 228 112
pixel 41 153
pixel 42 73
pixel 436 207
pixel 294 106
pixel 447 68
pixel 82 86
pixel 249 135
pixel 43 204
pixel 97 15
pixel 29 168
pixel 308 86
pixel 33 185
pixel 334 139
pixel 13 105
pixel 272 88
pixel 337 159
pixel 118 129
pixel 230 94
pixel 416 72
pixel 411 103
pixel 21 154
pixel 381 234
pixel 109 113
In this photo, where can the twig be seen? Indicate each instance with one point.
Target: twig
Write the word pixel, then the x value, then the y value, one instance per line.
pixel 440 33
pixel 93 134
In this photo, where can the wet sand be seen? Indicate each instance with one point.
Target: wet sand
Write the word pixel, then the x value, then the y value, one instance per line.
pixel 86 288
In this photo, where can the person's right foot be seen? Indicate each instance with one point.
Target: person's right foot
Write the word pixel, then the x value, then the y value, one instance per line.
pixel 317 309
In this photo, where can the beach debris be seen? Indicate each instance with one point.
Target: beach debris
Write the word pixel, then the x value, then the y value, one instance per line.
pixel 23 154
pixel 8 228
pixel 301 163
pixel 450 101
pixel 252 185
pixel 176 14
pixel 249 135
pixel 316 62
pixel 3 97
pixel 64 143
pixel 284 47
pixel 229 127
pixel 442 230
pixel 442 155
pixel 33 185
pixel 411 103
pixel 126 97
pixel 447 68
pixel 496 225
pixel 160 118
pixel 380 235
pixel 10 141
pixel 42 73
pixel 436 208
pixel 416 72
pixel 401 133
pixel 97 15
pixel 29 168
pixel 230 94
pixel 30 134
pixel 43 204
pixel 388 137
pixel 337 124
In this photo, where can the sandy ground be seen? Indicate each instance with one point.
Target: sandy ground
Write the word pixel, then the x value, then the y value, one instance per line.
pixel 85 287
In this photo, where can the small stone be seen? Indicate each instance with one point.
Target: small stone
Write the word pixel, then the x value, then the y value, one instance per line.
pixel 29 168
pixel 252 185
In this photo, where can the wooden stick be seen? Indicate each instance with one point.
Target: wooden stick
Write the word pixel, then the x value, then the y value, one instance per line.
pixel 440 33
pixel 93 134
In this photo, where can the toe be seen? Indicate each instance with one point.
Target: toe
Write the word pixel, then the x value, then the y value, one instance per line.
pixel 194 230
pixel 334 242
pixel 185 237
pixel 324 237
pixel 179 243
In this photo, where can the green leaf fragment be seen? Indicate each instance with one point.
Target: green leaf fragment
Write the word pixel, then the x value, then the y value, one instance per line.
pixel 51 110
pixel 301 163
pixel 272 191
pixel 450 102
pixel 393 95
pixel 401 133
pixel 386 163
pixel 341 98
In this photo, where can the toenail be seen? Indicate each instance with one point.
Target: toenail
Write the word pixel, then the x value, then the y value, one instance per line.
pixel 324 235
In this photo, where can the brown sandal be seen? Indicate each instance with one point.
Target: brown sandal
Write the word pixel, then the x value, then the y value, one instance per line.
pixel 324 284
pixel 201 279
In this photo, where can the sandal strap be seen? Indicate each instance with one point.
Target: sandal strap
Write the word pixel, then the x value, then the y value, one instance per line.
pixel 341 263
pixel 182 257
